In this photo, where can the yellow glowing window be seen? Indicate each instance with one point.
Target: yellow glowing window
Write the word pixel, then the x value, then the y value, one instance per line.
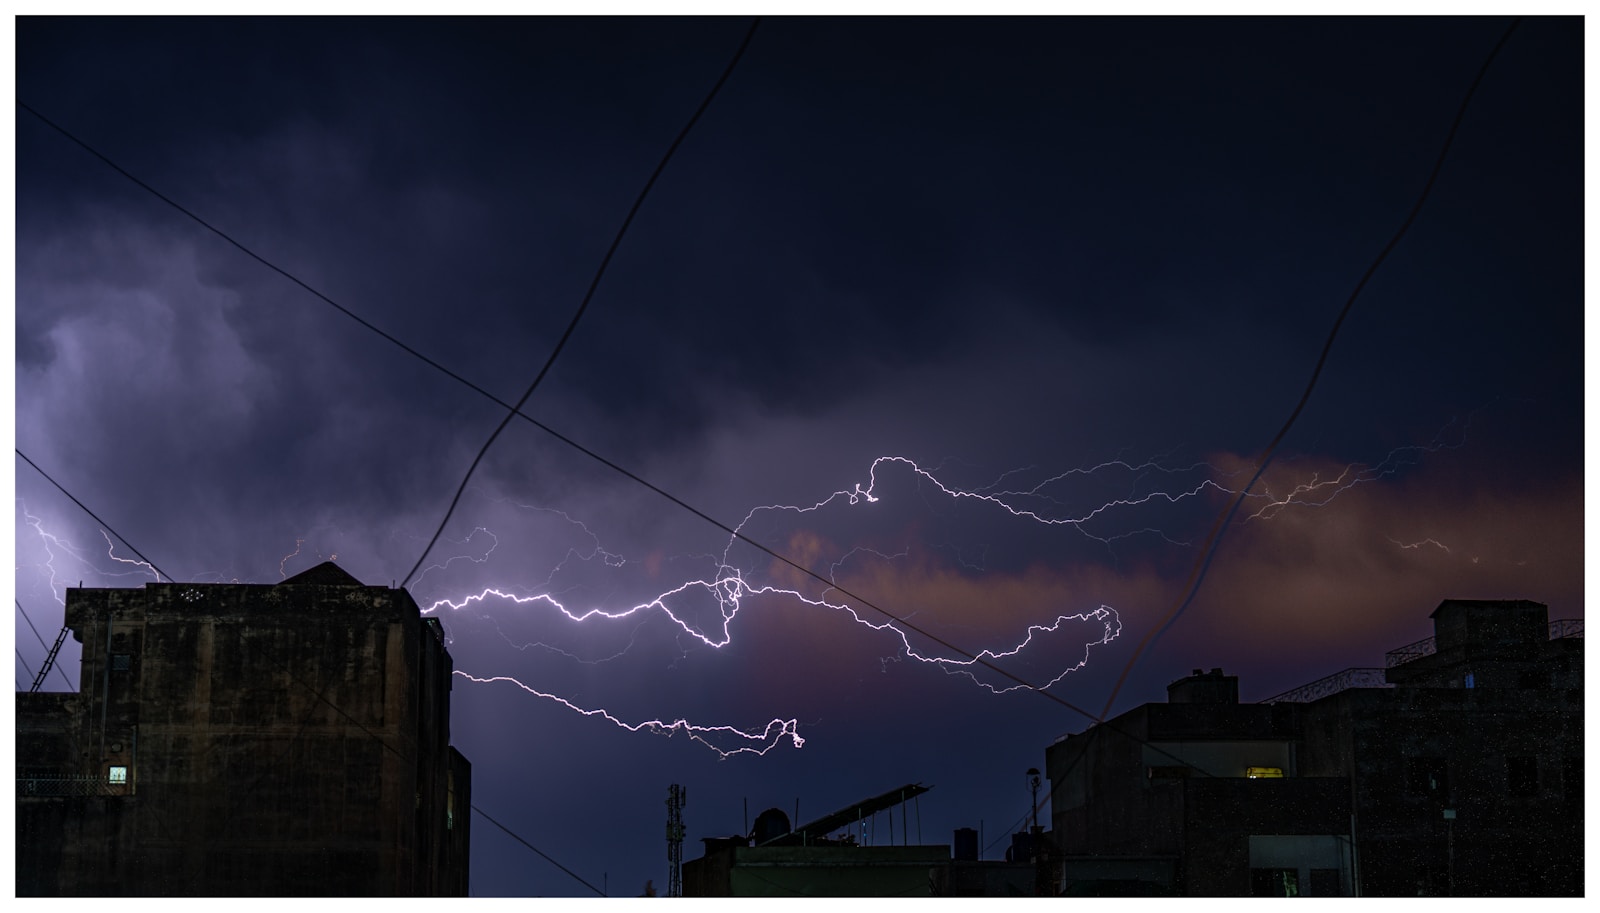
pixel 1256 773
pixel 117 775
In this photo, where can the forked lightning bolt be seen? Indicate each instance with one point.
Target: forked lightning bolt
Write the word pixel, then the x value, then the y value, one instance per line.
pixel 1042 502
pixel 763 740
pixel 55 547
pixel 1049 502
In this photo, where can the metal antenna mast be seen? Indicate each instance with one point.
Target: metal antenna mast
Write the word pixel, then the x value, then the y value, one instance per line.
pixel 1033 787
pixel 677 797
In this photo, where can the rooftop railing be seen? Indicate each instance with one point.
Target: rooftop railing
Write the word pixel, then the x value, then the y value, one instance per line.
pixel 1558 629
pixel 55 787
pixel 1354 677
pixel 1566 627
pixel 1424 647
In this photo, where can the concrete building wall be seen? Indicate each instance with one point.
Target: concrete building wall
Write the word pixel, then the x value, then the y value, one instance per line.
pixel 1104 800
pixel 1203 817
pixel 269 740
pixel 1230 822
pixel 1221 758
pixel 1506 762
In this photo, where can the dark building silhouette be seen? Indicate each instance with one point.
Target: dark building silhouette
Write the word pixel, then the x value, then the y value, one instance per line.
pixel 824 859
pixel 232 740
pixel 1458 769
pixel 834 856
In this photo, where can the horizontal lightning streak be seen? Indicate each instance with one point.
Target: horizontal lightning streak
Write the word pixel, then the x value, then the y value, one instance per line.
pixel 1415 545
pixel 729 586
pixel 770 736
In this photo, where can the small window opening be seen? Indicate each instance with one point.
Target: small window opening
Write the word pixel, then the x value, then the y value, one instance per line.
pixel 118 774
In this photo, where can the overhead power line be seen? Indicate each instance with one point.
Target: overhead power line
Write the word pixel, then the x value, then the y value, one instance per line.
pixel 1208 550
pixel 321 695
pixel 514 410
pixel 30 625
pixel 517 837
pixel 587 297
pixel 250 253
pixel 49 654
pixel 63 490
pixel 1007 833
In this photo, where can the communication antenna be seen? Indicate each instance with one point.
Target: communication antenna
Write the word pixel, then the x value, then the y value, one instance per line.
pixel 677 797
pixel 1033 786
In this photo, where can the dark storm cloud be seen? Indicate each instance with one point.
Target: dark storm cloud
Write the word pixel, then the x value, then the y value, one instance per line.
pixel 1003 249
pixel 1020 185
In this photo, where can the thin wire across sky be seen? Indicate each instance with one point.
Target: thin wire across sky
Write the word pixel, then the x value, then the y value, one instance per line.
pixel 1197 574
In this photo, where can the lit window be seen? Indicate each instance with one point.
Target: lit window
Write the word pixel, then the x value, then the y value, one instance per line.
pixel 117 775
pixel 1256 773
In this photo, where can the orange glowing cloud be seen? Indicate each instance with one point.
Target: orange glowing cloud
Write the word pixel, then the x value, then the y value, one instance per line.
pixel 1376 559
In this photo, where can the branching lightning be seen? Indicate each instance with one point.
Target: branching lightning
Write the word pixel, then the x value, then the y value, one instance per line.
pixel 299 543
pixel 764 739
pixel 729 586
pixel 494 543
pixel 1128 486
pixel 111 549
pixel 703 608
pixel 57 547
pixel 1416 545
pixel 633 638
pixel 1317 491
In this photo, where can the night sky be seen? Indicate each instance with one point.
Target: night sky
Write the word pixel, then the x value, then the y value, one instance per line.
pixel 1070 275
